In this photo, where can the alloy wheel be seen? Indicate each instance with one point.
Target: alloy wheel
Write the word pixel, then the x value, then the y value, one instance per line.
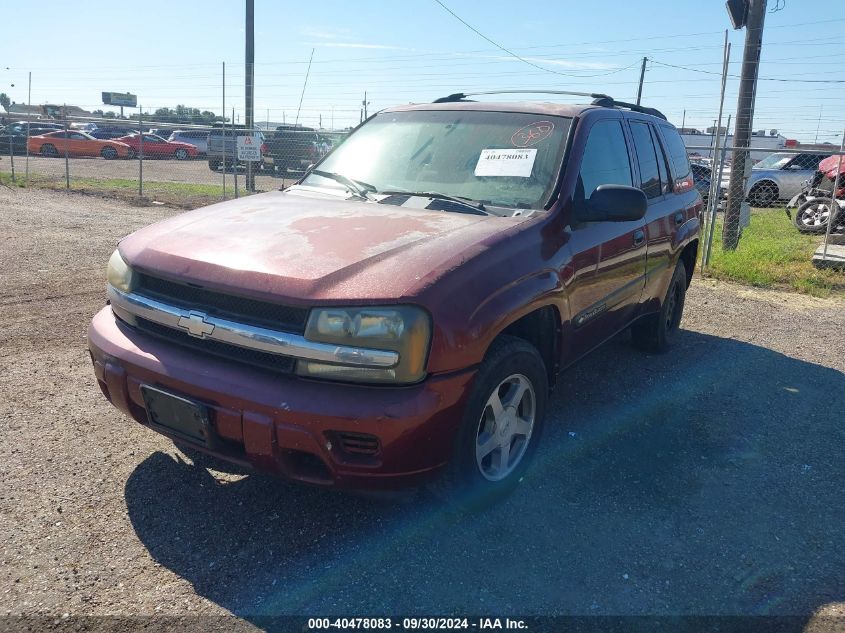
pixel 505 427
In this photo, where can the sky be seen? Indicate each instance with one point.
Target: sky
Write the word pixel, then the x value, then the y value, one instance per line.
pixel 402 51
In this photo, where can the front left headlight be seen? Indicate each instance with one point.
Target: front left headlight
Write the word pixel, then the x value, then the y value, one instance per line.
pixel 119 274
pixel 405 330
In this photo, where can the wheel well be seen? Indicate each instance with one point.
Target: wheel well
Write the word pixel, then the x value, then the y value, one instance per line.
pixel 541 328
pixel 688 256
pixel 764 183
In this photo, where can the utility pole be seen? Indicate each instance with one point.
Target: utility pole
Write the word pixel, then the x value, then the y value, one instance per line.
pixel 249 118
pixel 642 77
pixel 755 16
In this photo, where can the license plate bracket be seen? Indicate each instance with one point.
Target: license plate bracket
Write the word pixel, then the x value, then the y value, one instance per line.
pixel 180 416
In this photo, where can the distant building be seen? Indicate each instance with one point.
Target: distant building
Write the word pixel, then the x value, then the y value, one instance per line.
pixel 701 143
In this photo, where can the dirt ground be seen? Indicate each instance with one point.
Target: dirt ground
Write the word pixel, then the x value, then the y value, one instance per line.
pixel 154 170
pixel 705 481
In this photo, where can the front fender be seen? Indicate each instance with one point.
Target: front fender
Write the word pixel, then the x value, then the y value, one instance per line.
pixel 512 302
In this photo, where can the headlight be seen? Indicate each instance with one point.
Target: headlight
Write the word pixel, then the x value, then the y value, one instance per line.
pixel 402 329
pixel 119 274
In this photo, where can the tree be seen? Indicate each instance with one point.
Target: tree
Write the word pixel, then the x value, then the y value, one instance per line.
pixel 5 101
pixel 181 114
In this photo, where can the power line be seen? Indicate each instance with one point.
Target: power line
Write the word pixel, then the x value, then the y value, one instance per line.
pixel 711 72
pixel 510 52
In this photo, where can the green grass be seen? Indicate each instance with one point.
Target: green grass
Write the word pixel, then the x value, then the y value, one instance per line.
pixel 773 254
pixel 178 194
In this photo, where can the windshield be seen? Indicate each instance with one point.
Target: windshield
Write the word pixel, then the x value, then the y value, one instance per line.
pixel 500 158
pixel 774 161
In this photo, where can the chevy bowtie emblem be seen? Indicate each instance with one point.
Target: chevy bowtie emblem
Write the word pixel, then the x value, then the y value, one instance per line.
pixel 196 325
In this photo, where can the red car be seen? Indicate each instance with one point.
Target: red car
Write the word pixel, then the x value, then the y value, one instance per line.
pixel 400 315
pixel 157 147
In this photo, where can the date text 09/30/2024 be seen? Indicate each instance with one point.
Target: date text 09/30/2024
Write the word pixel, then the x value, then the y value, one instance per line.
pixel 409 624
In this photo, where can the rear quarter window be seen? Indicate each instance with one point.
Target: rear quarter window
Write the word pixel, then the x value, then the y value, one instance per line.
pixel 681 169
pixel 677 152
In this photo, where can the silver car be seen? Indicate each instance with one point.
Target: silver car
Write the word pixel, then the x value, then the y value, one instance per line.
pixel 197 138
pixel 779 177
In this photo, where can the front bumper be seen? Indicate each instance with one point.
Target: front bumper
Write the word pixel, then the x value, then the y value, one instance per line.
pixel 288 425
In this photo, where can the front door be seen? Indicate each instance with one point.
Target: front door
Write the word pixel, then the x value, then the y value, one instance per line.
pixel 609 258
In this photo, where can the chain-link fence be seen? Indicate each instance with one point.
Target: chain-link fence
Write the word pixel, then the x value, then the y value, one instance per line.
pixel 182 164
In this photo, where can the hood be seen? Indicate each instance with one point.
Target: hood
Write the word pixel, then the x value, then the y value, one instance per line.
pixel 307 246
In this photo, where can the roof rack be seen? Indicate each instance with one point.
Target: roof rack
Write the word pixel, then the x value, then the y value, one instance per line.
pixel 461 96
pixel 598 98
pixel 610 102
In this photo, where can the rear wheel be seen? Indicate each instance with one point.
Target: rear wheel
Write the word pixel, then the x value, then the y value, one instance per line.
pixel 813 216
pixel 214 164
pixel 763 194
pixel 657 332
pixel 109 153
pixel 181 154
pixel 49 150
pixel 501 426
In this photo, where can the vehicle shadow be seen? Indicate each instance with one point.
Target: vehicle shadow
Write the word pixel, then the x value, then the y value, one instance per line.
pixel 705 481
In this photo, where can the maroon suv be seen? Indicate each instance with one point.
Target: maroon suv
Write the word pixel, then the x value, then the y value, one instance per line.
pixel 400 315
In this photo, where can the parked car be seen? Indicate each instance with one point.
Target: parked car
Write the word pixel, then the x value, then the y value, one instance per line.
pixel 13 138
pixel 222 149
pixel 293 147
pixel 76 144
pixel 701 175
pixel 106 133
pixel 197 138
pixel 157 147
pixel 400 315
pixel 779 176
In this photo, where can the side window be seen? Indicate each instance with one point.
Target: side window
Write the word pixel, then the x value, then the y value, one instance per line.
pixel 677 152
pixel 647 160
pixel 605 160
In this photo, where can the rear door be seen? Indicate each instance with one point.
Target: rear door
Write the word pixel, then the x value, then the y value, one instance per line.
pixel 663 214
pixel 608 257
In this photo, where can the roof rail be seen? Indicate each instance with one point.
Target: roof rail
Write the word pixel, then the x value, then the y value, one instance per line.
pixel 610 102
pixel 598 98
pixel 461 96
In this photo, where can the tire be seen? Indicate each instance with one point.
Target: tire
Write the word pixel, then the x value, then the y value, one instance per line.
pixel 131 154
pixel 109 153
pixel 514 376
pixel 813 216
pixel 214 164
pixel 181 154
pixel 49 150
pixel 763 194
pixel 657 332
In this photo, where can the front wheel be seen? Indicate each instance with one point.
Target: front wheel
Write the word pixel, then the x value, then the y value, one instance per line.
pixel 657 332
pixel 109 153
pixel 501 426
pixel 131 153
pixel 763 194
pixel 813 215
pixel 181 154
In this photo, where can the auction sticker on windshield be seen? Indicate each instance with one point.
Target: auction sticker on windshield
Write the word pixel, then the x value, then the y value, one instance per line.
pixel 506 162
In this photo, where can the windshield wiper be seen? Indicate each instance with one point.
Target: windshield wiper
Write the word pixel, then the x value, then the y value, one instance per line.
pixel 475 205
pixel 358 188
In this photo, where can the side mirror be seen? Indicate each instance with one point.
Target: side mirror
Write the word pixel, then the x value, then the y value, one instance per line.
pixel 614 203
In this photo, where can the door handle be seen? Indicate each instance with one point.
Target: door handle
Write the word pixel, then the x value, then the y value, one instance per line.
pixel 639 237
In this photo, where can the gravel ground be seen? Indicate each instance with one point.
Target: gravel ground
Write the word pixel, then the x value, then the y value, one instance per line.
pixel 157 170
pixel 706 481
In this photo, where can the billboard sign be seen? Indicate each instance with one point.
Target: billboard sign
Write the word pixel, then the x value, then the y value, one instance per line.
pixel 122 99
